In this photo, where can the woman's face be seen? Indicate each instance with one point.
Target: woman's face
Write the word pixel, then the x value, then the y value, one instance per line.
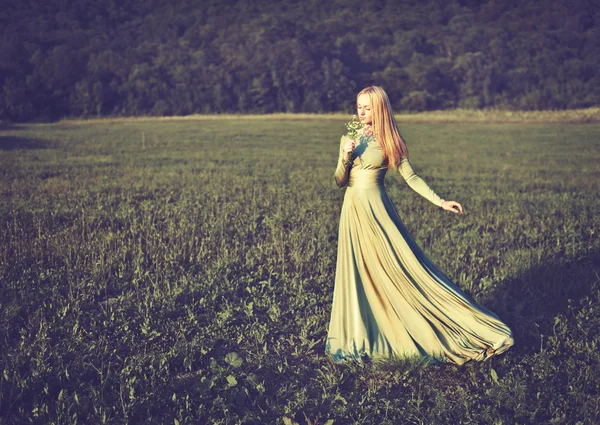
pixel 363 109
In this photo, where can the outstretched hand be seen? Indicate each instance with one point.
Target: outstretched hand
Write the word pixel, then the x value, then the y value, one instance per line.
pixel 453 206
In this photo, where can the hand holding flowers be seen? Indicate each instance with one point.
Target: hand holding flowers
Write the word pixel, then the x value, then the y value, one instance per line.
pixel 354 127
pixel 356 130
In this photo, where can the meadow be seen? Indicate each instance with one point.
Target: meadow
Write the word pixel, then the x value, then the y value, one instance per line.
pixel 181 272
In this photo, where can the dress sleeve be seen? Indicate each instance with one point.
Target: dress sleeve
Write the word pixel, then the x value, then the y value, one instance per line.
pixel 417 183
pixel 342 172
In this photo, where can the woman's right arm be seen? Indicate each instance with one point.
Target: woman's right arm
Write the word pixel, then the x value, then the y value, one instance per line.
pixel 342 172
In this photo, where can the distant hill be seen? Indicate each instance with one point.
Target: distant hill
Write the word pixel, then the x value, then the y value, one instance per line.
pixel 81 58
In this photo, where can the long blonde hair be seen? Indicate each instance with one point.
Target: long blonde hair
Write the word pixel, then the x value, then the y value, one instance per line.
pixel 385 127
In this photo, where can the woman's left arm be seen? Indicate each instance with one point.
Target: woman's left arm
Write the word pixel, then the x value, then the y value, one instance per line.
pixel 418 185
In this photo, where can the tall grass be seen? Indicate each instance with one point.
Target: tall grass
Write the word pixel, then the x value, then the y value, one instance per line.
pixel 181 271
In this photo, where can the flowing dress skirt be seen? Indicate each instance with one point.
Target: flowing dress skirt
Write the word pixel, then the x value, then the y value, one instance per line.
pixel 391 300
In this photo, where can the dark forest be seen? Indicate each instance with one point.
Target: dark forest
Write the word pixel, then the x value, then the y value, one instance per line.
pixel 89 58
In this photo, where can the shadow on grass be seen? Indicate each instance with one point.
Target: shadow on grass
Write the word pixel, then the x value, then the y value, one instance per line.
pixel 9 143
pixel 529 303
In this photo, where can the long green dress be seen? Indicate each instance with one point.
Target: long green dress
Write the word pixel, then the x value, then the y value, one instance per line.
pixel 389 299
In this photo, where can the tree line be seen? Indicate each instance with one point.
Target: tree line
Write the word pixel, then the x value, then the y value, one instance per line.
pixel 84 58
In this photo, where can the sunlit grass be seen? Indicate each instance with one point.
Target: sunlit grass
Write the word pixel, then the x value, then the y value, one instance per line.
pixel 444 116
pixel 181 271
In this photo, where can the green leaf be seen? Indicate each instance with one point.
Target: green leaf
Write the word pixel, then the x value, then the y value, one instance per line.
pixel 494 375
pixel 234 359
pixel 329 422
pixel 232 381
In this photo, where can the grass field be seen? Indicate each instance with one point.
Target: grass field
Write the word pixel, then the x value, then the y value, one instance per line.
pixel 586 115
pixel 181 272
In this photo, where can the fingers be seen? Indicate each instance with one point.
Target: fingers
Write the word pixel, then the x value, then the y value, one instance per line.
pixel 453 206
pixel 458 207
pixel 349 146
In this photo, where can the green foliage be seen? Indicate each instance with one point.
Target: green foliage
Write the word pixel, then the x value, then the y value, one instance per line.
pixel 182 272
pixel 181 57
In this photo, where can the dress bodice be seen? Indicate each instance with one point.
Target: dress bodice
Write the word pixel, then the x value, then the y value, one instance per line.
pixel 368 164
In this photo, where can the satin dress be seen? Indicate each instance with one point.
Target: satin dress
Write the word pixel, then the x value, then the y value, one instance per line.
pixel 389 299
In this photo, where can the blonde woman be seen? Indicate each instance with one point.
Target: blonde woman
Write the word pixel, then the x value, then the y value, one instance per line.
pixel 389 299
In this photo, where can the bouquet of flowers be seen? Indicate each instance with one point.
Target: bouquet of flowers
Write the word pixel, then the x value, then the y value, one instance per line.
pixel 354 127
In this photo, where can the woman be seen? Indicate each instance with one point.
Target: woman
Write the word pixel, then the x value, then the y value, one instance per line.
pixel 389 298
